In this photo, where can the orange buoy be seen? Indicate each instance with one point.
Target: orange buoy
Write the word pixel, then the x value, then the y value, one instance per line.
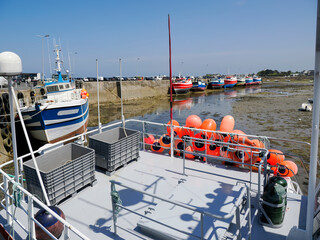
pixel 156 147
pixel 240 137
pixel 209 124
pixel 275 157
pixel 244 154
pixel 186 133
pixel 149 139
pixel 288 169
pixel 175 129
pixel 176 153
pixel 193 121
pixel 165 141
pixel 199 145
pixel 213 149
pixel 257 143
pixel 189 155
pixel 227 124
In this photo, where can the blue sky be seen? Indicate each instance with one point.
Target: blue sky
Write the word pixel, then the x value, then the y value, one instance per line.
pixel 208 36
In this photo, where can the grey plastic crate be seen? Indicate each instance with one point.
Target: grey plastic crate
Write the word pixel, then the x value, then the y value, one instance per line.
pixel 64 171
pixel 114 148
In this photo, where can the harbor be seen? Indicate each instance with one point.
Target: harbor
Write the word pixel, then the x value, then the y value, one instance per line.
pixel 157 125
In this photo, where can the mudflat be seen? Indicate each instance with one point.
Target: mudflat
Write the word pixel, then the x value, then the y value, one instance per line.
pixel 273 112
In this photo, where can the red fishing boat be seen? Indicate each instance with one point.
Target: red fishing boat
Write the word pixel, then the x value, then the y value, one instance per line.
pixel 182 85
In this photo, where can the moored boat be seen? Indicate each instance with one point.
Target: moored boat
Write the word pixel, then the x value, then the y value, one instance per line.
pixel 216 83
pixel 257 80
pixel 198 86
pixel 61 112
pixel 249 80
pixel 182 85
pixel 230 81
pixel 241 81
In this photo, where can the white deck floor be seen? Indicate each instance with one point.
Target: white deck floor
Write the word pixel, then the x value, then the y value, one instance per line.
pixel 90 211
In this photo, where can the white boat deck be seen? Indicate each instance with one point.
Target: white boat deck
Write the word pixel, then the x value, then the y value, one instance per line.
pixel 90 211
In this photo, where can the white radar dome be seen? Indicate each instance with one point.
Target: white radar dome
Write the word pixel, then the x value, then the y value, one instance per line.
pixel 10 64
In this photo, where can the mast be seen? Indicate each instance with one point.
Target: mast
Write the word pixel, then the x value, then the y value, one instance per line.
pixel 171 102
pixel 315 133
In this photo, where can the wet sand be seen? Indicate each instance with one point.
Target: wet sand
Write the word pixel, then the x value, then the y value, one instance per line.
pixel 274 113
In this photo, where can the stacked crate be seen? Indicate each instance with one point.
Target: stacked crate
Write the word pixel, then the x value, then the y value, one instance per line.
pixel 64 171
pixel 115 147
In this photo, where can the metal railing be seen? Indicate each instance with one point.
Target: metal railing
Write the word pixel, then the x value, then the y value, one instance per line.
pixel 235 211
pixel 10 206
pixel 6 203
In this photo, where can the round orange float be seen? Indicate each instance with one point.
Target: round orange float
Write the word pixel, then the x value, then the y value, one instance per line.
pixel 213 149
pixel 240 137
pixel 227 124
pixel 186 133
pixel 156 147
pixel 189 155
pixel 193 121
pixel 165 141
pixel 275 157
pixel 288 169
pixel 149 139
pixel 176 130
pixel 199 145
pixel 209 124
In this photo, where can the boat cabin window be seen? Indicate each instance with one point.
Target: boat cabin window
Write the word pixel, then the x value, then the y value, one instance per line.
pixel 67 86
pixel 61 86
pixel 52 89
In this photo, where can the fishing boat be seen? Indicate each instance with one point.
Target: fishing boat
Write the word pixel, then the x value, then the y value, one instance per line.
pixel 241 81
pixel 230 81
pixel 257 80
pixel 216 83
pixel 198 86
pixel 61 111
pixel 249 80
pixel 182 85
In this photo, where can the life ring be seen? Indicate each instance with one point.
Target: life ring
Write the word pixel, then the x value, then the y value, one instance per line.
pixel 156 147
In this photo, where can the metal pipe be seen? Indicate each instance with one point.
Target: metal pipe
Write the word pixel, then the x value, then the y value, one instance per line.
pixel 315 133
pixel 99 122
pixel 13 130
pixel 30 148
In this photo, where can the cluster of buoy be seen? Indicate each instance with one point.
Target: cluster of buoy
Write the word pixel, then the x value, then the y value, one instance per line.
pixel 198 137
pixel 84 94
